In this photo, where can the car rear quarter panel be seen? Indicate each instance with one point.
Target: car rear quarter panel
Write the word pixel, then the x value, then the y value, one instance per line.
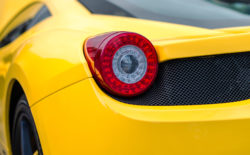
pixel 43 64
pixel 81 119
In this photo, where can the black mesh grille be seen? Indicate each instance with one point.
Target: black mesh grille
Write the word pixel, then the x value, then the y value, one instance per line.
pixel 200 80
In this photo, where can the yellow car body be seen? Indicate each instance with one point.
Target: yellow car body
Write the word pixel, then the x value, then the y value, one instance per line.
pixel 74 116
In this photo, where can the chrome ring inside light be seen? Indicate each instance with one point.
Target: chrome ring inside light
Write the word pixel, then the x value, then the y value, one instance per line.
pixel 129 64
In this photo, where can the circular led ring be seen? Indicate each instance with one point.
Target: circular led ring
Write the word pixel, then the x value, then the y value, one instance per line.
pixel 124 63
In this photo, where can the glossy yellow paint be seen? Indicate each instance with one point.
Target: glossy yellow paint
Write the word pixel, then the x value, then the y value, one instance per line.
pixel 92 123
pixel 72 114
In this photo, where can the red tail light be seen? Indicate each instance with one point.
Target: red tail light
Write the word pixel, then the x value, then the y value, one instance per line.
pixel 123 63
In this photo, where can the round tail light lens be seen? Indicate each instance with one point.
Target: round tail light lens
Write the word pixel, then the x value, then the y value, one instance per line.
pixel 124 63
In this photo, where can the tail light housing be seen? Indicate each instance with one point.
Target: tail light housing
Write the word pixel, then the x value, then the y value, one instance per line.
pixel 123 63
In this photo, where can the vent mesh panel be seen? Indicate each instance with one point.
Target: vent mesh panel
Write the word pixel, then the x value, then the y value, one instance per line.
pixel 200 80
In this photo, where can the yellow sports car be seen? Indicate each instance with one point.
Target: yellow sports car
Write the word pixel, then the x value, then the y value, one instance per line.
pixel 125 77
